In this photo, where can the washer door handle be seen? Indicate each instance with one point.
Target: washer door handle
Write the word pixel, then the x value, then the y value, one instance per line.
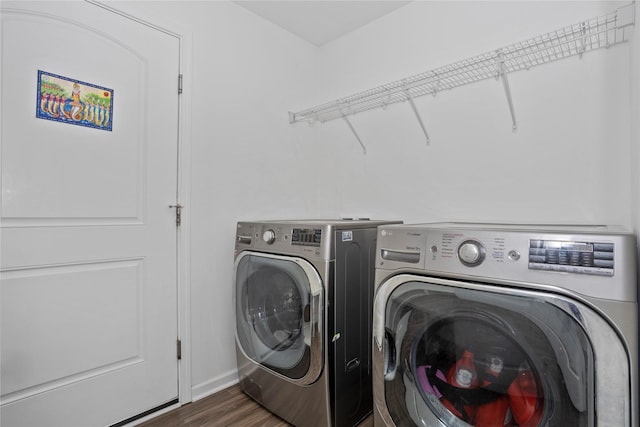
pixel 389 356
pixel 353 364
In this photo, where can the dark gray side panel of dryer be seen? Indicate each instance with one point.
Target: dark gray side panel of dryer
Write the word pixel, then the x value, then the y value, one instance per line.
pixel 350 315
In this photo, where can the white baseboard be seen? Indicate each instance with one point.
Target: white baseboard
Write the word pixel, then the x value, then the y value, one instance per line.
pixel 214 385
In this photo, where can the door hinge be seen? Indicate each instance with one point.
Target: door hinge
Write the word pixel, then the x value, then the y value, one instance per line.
pixel 178 213
pixel 179 84
pixel 179 349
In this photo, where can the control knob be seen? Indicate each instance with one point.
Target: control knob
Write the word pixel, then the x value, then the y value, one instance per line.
pixel 471 253
pixel 269 236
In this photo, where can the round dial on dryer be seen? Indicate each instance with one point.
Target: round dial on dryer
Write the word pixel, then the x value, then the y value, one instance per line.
pixel 269 236
pixel 471 253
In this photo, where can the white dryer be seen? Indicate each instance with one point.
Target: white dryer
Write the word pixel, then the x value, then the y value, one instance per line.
pixel 303 302
pixel 505 326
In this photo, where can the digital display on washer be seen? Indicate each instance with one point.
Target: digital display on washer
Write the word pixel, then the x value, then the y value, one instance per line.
pixel 571 257
pixel 306 236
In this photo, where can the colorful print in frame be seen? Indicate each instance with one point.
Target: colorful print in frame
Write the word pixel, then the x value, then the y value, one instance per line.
pixel 71 101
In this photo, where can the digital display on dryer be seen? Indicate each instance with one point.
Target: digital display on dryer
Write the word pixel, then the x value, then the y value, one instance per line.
pixel 306 236
pixel 571 257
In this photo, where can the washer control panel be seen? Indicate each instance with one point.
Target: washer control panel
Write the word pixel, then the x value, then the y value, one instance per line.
pixel 283 238
pixel 597 261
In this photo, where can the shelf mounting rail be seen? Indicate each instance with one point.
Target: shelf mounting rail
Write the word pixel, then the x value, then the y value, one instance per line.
pixel 595 33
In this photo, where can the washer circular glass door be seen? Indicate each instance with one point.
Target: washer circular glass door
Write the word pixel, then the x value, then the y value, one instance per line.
pixel 279 314
pixel 466 354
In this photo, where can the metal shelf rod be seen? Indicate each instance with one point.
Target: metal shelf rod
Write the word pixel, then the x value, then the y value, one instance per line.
pixel 600 32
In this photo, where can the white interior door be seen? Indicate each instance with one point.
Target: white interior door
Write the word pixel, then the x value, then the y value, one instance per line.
pixel 88 256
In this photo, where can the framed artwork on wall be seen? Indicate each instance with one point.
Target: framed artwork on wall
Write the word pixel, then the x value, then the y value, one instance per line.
pixel 71 101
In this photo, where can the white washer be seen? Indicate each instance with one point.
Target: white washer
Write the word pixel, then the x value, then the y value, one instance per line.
pixel 503 325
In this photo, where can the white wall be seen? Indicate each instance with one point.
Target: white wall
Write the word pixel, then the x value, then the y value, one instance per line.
pixel 247 162
pixel 568 162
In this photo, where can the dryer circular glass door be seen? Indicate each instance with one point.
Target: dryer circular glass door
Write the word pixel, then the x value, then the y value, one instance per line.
pixel 456 353
pixel 279 309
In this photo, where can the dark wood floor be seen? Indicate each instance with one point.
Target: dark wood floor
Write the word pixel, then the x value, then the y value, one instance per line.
pixel 228 408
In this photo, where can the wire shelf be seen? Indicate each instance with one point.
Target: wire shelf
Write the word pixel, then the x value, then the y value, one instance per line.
pixel 600 32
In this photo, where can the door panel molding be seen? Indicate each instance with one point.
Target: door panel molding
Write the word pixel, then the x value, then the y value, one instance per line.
pixel 68 358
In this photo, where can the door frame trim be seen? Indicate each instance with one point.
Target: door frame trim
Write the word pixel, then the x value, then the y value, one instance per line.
pixel 183 196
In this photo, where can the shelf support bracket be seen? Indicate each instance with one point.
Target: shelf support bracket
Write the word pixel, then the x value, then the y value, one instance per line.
pixel 386 100
pixel 502 75
pixel 436 87
pixel 415 111
pixel 583 39
pixel 353 130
